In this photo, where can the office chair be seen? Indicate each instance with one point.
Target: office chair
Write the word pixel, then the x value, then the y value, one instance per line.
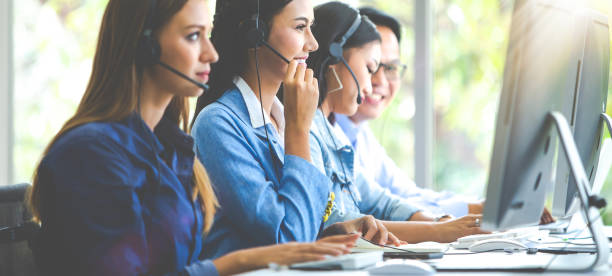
pixel 16 232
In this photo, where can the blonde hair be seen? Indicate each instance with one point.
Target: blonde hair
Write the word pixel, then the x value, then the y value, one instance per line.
pixel 112 91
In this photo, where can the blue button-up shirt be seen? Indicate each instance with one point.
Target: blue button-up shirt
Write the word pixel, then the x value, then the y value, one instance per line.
pixel 265 197
pixel 118 201
pixel 355 195
pixel 372 159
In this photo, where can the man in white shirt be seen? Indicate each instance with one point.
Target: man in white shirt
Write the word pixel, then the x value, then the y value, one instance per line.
pixel 370 156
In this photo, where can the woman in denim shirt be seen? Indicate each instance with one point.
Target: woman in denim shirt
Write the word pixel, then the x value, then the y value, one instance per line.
pixel 268 189
pixel 331 151
pixel 118 190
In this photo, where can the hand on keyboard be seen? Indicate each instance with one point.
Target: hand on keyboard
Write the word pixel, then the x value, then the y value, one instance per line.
pixel 372 229
pixel 451 230
pixel 517 234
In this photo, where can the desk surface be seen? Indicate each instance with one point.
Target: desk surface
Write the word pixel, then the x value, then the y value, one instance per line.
pixel 573 261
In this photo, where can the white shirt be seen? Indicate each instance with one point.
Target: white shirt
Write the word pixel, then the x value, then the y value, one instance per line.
pixel 254 108
pixel 372 160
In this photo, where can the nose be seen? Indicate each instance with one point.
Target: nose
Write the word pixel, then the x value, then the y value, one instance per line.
pixel 209 53
pixel 311 44
pixel 379 79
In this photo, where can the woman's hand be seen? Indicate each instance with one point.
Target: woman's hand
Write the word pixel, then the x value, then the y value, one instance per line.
pixel 284 254
pixel 372 229
pixel 301 97
pixel 451 230
pixel 546 217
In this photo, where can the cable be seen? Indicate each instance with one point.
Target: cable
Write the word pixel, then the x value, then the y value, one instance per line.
pixel 261 98
pixel 344 184
pixel 587 226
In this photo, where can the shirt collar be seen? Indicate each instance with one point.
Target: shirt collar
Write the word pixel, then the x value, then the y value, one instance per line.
pixel 349 128
pixel 254 107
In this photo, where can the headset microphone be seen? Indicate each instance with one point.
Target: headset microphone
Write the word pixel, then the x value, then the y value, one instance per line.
pixel 178 73
pixel 256 33
pixel 149 51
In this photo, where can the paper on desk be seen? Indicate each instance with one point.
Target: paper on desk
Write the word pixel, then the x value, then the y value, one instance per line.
pixel 424 247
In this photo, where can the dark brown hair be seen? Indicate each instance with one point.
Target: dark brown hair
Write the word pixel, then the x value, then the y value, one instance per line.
pixel 114 85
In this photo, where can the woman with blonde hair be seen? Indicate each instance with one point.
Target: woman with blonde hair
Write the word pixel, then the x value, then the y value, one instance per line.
pixel 119 190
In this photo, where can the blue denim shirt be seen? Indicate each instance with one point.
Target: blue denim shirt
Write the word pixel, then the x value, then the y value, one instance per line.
pixel 353 191
pixel 266 198
pixel 372 159
pixel 118 201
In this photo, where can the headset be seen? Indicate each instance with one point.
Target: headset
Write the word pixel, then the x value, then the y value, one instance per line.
pixel 256 34
pixel 335 51
pixel 150 51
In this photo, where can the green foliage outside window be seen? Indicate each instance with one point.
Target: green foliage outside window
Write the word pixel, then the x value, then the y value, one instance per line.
pixel 55 42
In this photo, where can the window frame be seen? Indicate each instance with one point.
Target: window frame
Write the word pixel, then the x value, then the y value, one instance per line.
pixel 6 92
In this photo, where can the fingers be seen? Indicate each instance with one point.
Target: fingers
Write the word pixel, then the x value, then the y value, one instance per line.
pixel 546 217
pixel 348 239
pixel 394 240
pixel 333 249
pixel 291 69
pixel 369 227
pixel 300 73
pixel 383 233
pixel 309 76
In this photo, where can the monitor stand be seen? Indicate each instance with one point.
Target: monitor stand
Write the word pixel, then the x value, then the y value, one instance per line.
pixel 590 203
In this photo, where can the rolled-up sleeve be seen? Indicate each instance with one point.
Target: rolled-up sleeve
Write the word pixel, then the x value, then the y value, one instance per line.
pixel 380 203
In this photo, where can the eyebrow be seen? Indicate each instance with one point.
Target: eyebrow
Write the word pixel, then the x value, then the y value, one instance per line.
pixel 305 19
pixel 203 27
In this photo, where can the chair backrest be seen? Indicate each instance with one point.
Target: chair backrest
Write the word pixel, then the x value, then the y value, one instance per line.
pixel 16 231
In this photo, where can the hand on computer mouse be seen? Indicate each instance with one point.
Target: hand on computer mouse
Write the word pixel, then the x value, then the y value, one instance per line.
pixel 451 230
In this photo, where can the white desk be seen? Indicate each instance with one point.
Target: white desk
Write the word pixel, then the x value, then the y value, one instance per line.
pixel 572 260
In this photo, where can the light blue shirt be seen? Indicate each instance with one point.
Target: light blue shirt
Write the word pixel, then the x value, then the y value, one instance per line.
pixel 372 159
pixel 265 197
pixel 355 195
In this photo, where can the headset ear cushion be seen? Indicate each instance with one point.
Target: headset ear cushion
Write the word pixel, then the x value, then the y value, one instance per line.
pixel 335 52
pixel 149 52
pixel 253 35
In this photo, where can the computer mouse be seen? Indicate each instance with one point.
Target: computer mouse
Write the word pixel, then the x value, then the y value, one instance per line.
pixel 402 267
pixel 429 243
pixel 496 244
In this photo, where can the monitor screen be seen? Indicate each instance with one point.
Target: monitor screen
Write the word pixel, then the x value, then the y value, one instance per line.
pixel 540 75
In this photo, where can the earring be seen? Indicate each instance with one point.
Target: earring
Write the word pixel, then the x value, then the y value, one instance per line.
pixel 337 80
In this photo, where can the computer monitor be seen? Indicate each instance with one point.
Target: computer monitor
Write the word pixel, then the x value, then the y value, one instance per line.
pixel 542 63
pixel 588 104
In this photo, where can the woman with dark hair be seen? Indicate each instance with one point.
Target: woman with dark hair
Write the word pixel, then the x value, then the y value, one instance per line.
pixel 268 189
pixel 342 76
pixel 118 190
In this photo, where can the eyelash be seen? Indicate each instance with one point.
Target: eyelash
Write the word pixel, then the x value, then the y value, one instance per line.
pixel 190 37
pixel 303 26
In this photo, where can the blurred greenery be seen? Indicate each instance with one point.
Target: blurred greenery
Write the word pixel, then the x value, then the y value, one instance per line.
pixel 55 41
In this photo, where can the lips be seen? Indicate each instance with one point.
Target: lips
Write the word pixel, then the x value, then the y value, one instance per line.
pixel 203 76
pixel 301 59
pixel 374 98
